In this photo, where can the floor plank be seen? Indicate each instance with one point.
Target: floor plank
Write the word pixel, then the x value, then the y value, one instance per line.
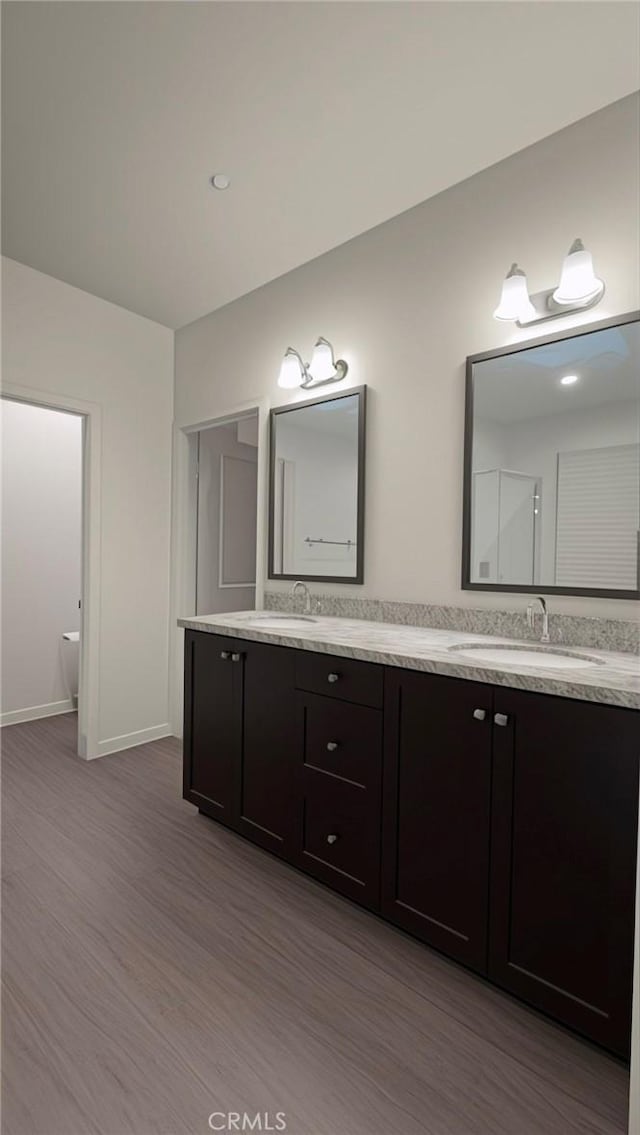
pixel 158 968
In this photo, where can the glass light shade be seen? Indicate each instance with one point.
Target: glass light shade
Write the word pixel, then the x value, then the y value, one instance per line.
pixel 578 282
pixel 292 370
pixel 514 301
pixel 322 365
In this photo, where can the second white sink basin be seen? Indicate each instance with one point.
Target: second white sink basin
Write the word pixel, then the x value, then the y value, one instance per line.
pixel 283 621
pixel 544 657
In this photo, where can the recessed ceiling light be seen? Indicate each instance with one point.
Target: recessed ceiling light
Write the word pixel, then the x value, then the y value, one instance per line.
pixel 569 379
pixel 220 181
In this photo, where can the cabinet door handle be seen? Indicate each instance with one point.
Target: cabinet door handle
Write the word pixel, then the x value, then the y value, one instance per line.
pixel 332 746
pixel 501 718
pixel 479 714
pixel 332 839
pixel 332 677
pixel 236 657
pixel 225 655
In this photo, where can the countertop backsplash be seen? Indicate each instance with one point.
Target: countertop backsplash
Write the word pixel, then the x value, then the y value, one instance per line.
pixel 566 630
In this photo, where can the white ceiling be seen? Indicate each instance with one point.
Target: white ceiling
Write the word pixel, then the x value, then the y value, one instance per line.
pixel 329 117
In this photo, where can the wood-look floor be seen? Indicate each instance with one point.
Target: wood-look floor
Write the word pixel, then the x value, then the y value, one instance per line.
pixel 158 968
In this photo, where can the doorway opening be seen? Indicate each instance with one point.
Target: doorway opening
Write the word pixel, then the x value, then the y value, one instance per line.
pixel 226 457
pixel 42 563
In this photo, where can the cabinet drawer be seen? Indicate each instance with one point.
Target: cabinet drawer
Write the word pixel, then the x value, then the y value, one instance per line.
pixel 344 678
pixel 341 835
pixel 341 739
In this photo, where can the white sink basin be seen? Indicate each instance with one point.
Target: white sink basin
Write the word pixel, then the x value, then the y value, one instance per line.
pixel 544 657
pixel 282 621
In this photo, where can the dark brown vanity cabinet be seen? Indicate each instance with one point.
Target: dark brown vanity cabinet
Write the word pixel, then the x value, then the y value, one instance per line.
pixel 437 811
pixel 563 859
pixel 496 825
pixel 239 736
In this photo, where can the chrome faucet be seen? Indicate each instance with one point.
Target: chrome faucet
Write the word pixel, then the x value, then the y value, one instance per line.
pixel 531 619
pixel 305 592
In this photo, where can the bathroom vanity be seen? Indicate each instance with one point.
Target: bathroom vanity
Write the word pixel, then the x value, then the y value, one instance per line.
pixel 489 810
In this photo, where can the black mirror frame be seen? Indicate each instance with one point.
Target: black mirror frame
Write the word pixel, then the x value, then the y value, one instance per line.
pixel 361 392
pixel 512 349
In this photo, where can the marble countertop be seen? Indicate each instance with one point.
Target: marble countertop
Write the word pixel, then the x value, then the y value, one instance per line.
pixel 614 679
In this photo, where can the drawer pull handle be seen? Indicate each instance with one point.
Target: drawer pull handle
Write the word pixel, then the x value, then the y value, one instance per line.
pixel 225 655
pixel 479 714
pixel 332 839
pixel 236 657
pixel 501 718
pixel 332 746
pixel 332 677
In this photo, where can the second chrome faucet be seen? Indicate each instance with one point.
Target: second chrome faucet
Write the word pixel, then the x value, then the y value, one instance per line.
pixel 531 618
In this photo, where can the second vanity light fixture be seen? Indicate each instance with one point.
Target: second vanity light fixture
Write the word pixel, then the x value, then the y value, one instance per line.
pixel 323 367
pixel 579 288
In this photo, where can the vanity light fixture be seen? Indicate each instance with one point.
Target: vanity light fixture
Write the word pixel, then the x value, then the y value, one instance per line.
pixel 293 372
pixel 569 379
pixel 322 369
pixel 515 304
pixel 579 285
pixel 579 289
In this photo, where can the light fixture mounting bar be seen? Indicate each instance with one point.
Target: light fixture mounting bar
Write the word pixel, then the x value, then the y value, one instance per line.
pixel 341 369
pixel 546 307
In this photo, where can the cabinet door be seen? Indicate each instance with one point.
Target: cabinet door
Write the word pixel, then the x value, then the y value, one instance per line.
pixel 265 784
pixel 437 787
pixel 565 806
pixel 212 723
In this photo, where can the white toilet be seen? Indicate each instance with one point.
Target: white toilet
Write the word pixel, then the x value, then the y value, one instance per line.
pixel 70 663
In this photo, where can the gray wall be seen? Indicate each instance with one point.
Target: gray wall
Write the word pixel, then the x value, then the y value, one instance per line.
pixel 405 303
pixel 60 342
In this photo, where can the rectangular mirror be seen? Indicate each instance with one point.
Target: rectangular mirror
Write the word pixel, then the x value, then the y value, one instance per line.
pixel 552 464
pixel 316 489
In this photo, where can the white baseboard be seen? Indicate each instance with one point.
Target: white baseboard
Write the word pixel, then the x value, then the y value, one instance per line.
pixel 130 740
pixel 33 712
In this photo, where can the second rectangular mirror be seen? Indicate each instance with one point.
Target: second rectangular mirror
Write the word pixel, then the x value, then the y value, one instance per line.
pixel 316 490
pixel 552 480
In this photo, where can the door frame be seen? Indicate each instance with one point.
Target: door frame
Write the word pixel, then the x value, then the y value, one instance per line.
pixel 184 532
pixel 88 671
